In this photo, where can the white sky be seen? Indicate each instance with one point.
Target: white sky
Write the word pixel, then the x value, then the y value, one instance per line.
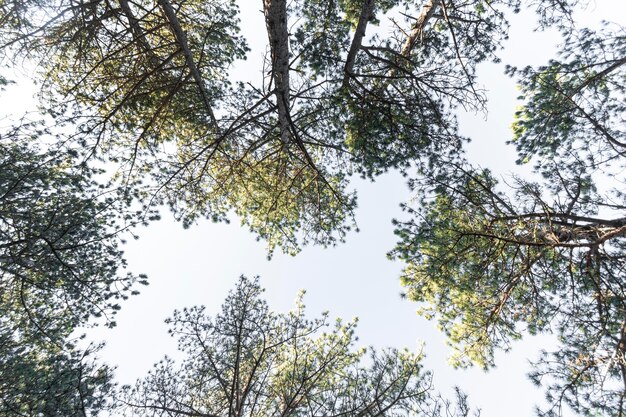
pixel 200 265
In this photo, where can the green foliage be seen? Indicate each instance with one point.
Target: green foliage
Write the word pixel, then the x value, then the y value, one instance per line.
pixel 60 267
pixel 457 267
pixel 146 85
pixel 490 267
pixel 573 108
pixel 45 379
pixel 249 361
pixel 543 257
pixel 60 261
pixel 322 42
pixel 275 197
pixel 352 10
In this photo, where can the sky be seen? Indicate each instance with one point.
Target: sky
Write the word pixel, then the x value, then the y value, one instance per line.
pixel 201 264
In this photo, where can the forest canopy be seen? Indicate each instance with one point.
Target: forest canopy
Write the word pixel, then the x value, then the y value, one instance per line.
pixel 140 111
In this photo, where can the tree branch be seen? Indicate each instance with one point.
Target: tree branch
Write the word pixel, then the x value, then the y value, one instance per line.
pixel 181 38
pixel 357 40
pixel 417 30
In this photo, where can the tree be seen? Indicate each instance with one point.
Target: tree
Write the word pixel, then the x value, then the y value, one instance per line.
pixel 60 232
pixel 249 361
pixel 40 378
pixel 544 256
pixel 60 266
pixel 146 83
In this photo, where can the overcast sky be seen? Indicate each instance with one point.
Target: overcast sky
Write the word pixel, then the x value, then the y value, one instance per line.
pixel 200 265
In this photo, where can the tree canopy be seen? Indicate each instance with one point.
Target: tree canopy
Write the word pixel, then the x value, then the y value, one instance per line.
pixel 347 88
pixel 250 361
pixel 146 84
pixel 60 268
pixel 491 261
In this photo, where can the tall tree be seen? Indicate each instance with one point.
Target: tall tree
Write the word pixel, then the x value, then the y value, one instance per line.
pixel 60 266
pixel 249 361
pixel 545 256
pixel 60 232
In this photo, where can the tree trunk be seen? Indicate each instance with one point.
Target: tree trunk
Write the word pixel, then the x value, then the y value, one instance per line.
pixel 276 22
pixel 138 34
pixel 366 12
pixel 417 30
pixel 181 39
